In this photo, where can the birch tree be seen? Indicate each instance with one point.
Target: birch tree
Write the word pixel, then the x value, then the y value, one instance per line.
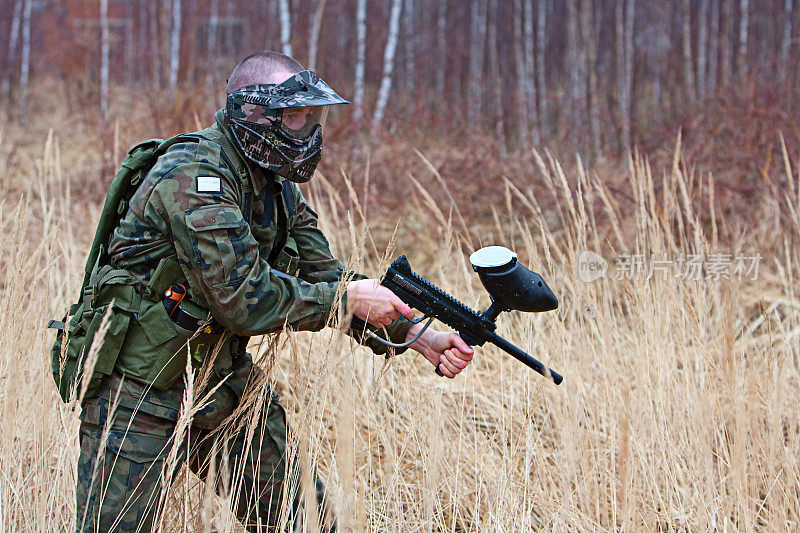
pixel 11 54
pixel 286 27
pixel 104 57
pixel 361 56
pixel 25 62
pixel 744 25
pixel 388 61
pixel 175 43
pixel 313 37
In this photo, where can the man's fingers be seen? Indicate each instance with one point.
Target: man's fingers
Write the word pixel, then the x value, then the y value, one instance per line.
pixel 461 356
pixel 447 368
pixel 454 359
pixel 462 347
pixel 402 307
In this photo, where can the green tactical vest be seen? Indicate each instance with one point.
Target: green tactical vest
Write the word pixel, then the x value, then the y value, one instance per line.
pixel 139 334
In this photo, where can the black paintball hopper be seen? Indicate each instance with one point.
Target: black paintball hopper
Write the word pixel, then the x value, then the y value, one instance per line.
pixel 509 284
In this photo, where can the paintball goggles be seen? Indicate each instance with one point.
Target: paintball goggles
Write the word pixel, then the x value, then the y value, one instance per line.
pixel 510 285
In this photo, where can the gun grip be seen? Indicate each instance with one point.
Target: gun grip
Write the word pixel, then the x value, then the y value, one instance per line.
pixel 439 372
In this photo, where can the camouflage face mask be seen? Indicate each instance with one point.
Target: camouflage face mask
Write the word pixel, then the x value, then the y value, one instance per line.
pixel 279 126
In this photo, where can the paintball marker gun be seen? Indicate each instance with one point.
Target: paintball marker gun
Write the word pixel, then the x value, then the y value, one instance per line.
pixel 510 286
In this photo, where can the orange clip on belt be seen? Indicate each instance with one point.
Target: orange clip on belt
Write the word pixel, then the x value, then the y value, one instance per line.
pixel 173 298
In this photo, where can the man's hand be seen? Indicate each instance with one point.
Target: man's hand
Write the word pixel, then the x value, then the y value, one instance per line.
pixel 373 303
pixel 447 351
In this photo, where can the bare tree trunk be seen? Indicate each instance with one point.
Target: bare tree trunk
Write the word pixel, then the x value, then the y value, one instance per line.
pixel 686 33
pixel 155 41
pixel 541 43
pixel 211 42
pixel 388 61
pixel 410 27
pixel 476 59
pixel 361 54
pixel 726 25
pixel 574 64
pixel 521 65
pixel 657 48
pixel 286 27
pixel 497 88
pixel 628 74
pixel 590 45
pixel 786 43
pixel 713 48
pixel 12 48
pixel 529 71
pixel 104 57
pixel 744 25
pixel 175 44
pixel 441 35
pixel 142 39
pixel 622 80
pixel 213 24
pixel 702 49
pixel 313 37
pixel 129 44
pixel 25 63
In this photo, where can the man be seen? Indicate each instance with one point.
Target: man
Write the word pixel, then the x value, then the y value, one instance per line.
pixel 218 226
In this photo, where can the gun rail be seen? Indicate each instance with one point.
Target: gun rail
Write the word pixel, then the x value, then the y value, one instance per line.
pixel 432 301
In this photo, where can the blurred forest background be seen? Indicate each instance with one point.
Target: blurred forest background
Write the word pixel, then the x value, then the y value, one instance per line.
pixel 664 128
pixel 594 76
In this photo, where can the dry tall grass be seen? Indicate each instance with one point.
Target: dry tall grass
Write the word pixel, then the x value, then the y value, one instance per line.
pixel 679 408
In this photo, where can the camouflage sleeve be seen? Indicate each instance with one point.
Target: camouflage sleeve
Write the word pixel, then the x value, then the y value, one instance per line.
pixel 199 201
pixel 317 264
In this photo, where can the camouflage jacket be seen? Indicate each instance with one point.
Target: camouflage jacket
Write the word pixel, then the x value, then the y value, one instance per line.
pixel 226 232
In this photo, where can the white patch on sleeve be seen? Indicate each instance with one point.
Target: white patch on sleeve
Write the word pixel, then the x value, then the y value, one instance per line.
pixel 209 184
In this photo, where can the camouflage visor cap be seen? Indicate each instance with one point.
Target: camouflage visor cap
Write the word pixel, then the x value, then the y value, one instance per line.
pixel 279 126
pixel 295 106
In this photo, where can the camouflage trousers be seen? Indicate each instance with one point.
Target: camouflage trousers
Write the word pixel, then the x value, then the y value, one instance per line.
pixel 125 467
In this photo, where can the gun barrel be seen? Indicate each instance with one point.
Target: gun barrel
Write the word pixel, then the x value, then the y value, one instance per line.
pixel 525 358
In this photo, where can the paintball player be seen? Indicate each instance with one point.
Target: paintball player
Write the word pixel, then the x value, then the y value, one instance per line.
pixel 218 227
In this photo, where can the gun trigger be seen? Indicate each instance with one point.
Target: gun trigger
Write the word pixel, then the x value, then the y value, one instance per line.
pixel 417 320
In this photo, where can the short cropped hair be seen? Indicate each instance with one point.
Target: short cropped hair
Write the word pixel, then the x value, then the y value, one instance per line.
pixel 262 67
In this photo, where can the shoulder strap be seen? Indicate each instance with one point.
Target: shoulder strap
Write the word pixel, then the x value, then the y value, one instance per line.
pixel 127 177
pixel 289 199
pixel 139 161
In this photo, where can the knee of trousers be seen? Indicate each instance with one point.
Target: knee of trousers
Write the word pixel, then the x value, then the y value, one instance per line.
pixel 119 477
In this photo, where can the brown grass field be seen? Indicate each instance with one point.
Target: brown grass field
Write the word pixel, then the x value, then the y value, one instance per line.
pixel 679 407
